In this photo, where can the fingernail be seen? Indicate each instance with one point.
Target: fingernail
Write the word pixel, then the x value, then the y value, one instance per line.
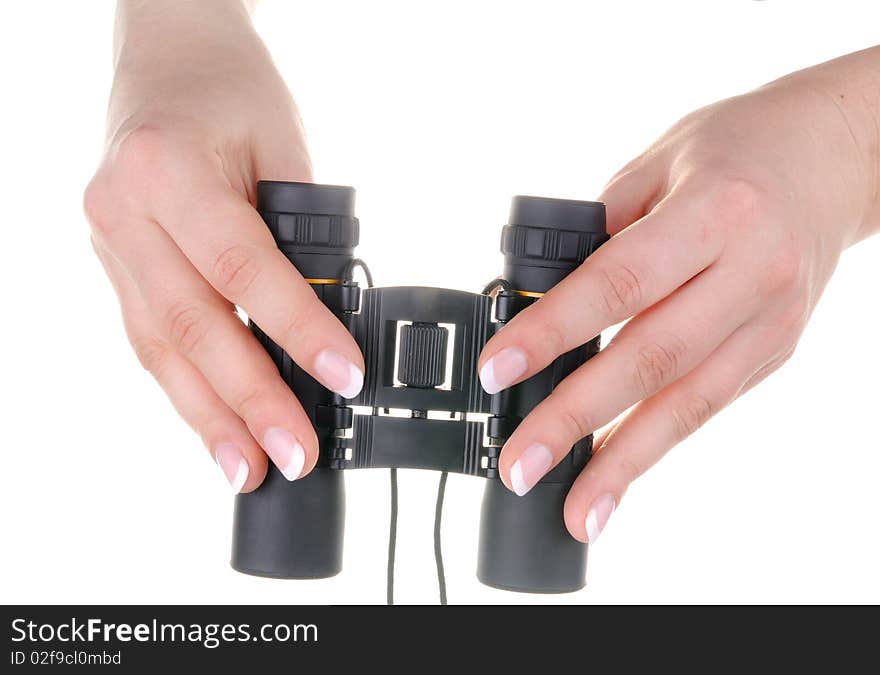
pixel 338 373
pixel 530 468
pixel 232 464
pixel 598 515
pixel 287 454
pixel 503 369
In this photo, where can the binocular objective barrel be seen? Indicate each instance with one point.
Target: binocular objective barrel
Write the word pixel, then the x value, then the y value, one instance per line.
pixel 523 543
pixel 294 530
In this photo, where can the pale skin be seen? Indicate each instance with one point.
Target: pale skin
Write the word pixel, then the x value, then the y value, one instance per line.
pixel 198 113
pixel 725 232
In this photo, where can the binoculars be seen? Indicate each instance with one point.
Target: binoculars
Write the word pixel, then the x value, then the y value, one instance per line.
pixel 420 348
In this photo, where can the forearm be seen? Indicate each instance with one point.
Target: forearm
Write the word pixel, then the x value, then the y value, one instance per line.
pixel 850 87
pixel 159 30
pixel 168 54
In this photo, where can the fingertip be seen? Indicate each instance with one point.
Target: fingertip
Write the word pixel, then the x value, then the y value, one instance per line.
pixel 257 470
pixel 487 378
pixel 505 480
pixel 286 452
pixel 505 461
pixel 335 337
pixel 598 514
pixel 339 373
pixel 355 381
pixel 310 443
pixel 574 516
pixel 589 505
pixel 242 464
pixel 503 369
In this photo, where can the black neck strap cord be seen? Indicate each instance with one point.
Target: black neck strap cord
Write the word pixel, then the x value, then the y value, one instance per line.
pixel 438 550
pixel 392 538
pixel 438 553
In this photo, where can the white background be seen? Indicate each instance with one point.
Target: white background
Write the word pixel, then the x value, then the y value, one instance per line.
pixel 438 114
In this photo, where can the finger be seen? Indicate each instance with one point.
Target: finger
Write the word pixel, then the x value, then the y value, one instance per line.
pixel 229 244
pixel 652 351
pixel 632 192
pixel 634 270
pixel 657 424
pixel 205 330
pixel 767 369
pixel 282 155
pixel 227 438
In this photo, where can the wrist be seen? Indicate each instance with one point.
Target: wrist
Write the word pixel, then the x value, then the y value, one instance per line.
pixel 177 60
pixel 851 101
pixel 163 34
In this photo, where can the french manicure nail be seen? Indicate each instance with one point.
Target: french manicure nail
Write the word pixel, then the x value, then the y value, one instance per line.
pixel 530 468
pixel 338 373
pixel 503 369
pixel 287 454
pixel 232 464
pixel 598 515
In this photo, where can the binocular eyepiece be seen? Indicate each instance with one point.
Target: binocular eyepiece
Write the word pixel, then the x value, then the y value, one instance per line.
pixel 295 530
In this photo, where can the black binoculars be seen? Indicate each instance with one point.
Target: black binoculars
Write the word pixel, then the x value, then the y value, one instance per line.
pixel 420 348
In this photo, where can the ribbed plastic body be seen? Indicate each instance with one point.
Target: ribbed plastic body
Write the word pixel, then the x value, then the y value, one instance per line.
pixel 524 545
pixel 295 529
pixel 313 225
pixel 545 239
pixel 285 529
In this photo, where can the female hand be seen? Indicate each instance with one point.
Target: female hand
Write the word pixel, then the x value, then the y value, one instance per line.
pixel 725 233
pixel 198 113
